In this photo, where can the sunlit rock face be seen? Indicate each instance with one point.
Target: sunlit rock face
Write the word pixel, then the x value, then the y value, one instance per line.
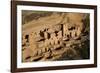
pixel 55 36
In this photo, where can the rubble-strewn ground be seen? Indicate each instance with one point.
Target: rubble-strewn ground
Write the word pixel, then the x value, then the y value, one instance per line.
pixel 51 36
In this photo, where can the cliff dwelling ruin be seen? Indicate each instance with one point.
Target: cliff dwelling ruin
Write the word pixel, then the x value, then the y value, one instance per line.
pixel 53 36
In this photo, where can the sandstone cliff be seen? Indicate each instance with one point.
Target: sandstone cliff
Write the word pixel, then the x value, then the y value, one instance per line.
pixel 49 36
